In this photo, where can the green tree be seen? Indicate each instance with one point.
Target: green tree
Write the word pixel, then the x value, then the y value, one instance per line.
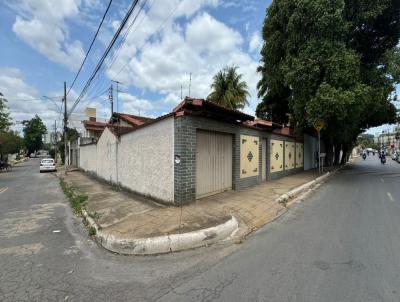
pixel 228 89
pixel 5 120
pixel 33 129
pixel 10 143
pixel 332 60
pixel 72 134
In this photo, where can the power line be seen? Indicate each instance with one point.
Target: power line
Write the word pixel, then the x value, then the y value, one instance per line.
pixel 160 26
pixel 112 42
pixel 28 100
pixel 127 32
pixel 93 97
pixel 53 101
pixel 90 47
pixel 60 114
pixel 110 60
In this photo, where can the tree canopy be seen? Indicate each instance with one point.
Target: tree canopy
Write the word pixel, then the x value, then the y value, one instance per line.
pixel 337 61
pixel 34 129
pixel 228 89
pixel 5 120
pixel 72 134
pixel 10 143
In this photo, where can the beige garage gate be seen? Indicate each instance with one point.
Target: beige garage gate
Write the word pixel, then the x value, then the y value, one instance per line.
pixel 213 163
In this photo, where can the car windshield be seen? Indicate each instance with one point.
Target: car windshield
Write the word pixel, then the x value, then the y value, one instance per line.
pixel 47 161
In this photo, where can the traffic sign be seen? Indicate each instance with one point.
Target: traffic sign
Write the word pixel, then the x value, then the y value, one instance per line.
pixel 318 125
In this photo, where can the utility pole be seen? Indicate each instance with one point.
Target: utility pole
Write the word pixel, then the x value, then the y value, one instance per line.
pixel 116 82
pixel 181 93
pixel 55 140
pixel 65 127
pixel 110 97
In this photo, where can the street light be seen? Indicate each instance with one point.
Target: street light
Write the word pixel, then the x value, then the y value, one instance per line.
pixel 54 102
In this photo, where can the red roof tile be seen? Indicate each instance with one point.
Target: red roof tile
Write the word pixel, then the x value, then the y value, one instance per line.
pixel 131 119
pixel 95 126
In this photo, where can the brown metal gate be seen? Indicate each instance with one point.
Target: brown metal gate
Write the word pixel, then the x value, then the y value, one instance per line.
pixel 213 163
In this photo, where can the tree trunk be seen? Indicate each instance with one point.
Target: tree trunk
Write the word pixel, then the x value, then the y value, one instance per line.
pixel 337 153
pixel 345 155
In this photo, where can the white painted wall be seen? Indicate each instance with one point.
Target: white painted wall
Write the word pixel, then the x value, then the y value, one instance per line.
pixel 142 160
pixel 106 156
pixel 146 160
pixel 88 158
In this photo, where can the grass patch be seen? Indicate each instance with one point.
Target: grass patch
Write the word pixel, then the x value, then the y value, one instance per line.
pixel 77 200
pixel 95 216
pixel 92 231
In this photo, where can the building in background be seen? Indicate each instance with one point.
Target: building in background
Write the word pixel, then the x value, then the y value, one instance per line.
pixel 388 139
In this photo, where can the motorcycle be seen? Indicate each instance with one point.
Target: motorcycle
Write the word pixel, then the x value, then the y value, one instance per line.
pixel 364 156
pixel 383 159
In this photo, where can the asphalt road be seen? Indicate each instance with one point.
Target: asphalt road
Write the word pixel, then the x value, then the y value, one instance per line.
pixel 341 243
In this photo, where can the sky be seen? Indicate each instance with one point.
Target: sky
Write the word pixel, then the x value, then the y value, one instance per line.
pixel 44 42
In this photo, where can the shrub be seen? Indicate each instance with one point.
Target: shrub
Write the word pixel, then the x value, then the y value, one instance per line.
pixel 77 201
pixel 92 231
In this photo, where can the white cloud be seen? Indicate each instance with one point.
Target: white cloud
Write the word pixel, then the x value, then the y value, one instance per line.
pixel 23 99
pixel 41 24
pixel 134 105
pixel 255 43
pixel 180 8
pixel 205 33
pixel 202 46
pixel 172 99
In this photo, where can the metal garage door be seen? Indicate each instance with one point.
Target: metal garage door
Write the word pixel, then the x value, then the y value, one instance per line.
pixel 213 163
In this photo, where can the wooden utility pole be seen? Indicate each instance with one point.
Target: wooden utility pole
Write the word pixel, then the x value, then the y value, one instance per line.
pixel 65 127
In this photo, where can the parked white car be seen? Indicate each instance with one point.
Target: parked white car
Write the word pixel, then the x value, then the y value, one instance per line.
pixel 47 164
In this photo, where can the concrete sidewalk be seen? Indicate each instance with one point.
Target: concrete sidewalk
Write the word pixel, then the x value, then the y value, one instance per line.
pixel 127 217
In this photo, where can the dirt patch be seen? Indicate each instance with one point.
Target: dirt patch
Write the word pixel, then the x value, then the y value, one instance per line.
pixel 24 222
pixel 22 250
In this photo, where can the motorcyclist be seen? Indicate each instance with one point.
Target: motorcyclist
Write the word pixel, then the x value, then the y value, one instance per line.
pixel 383 156
pixel 364 155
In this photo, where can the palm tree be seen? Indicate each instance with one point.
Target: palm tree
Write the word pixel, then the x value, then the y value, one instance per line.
pixel 228 89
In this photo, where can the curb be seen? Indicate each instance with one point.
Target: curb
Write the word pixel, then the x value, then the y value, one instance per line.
pixel 284 198
pixel 179 242
pixel 167 243
pixel 24 159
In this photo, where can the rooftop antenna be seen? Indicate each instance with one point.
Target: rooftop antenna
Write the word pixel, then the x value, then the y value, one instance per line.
pixel 110 97
pixel 190 82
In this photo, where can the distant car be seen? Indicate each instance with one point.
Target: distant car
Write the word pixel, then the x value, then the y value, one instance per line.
pixel 47 164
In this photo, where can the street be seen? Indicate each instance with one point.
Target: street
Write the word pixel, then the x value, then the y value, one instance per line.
pixel 341 243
